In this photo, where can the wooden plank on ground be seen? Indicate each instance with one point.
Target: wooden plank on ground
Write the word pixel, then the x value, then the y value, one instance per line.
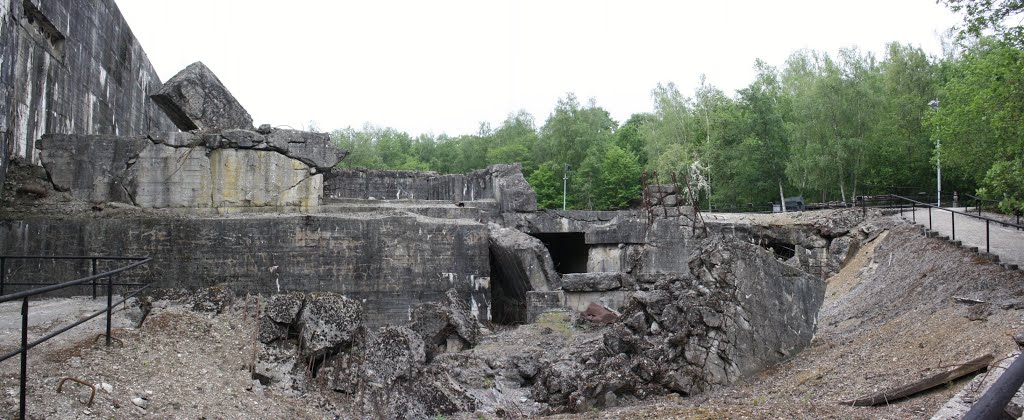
pixel 923 384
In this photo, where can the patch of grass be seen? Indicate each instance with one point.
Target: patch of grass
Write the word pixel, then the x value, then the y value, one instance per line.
pixel 559 322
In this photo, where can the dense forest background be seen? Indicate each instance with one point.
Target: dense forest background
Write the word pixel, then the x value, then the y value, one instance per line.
pixel 826 127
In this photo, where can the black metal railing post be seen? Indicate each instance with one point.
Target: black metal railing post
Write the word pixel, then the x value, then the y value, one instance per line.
pixel 952 224
pixel 3 274
pixel 92 272
pixel 929 217
pixel 913 212
pixel 987 250
pixel 110 301
pixel 24 357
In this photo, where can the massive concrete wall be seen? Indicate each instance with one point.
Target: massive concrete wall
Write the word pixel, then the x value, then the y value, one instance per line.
pixel 389 261
pixel 502 183
pixel 228 171
pixel 71 66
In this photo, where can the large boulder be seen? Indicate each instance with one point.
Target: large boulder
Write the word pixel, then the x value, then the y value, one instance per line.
pixel 195 99
pixel 327 321
pixel 447 326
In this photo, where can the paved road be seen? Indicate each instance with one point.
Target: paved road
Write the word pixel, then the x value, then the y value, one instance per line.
pixel 1006 242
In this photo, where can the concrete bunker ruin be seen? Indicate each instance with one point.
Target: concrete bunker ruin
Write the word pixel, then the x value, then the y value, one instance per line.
pixel 266 211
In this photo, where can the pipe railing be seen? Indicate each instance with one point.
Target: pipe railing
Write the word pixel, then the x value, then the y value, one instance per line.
pixel 891 198
pixel 90 280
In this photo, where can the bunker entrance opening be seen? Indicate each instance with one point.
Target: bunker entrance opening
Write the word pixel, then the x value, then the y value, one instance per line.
pixel 508 293
pixel 568 251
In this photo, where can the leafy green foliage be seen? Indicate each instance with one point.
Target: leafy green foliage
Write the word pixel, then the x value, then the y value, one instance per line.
pixel 822 126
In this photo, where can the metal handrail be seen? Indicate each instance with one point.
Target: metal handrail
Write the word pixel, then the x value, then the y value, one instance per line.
pixel 25 295
pixel 1008 224
pixel 58 286
pixel 952 216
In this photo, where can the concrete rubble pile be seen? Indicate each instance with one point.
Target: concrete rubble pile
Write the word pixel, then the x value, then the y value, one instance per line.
pixel 318 341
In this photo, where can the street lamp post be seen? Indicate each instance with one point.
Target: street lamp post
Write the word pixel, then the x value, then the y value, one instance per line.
pixel 565 185
pixel 938 159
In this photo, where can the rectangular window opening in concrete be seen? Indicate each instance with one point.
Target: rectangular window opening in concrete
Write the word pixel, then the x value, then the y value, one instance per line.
pixel 36 23
pixel 568 251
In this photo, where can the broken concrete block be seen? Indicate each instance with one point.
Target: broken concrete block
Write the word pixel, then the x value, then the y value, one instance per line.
pixel 442 323
pixel 592 282
pixel 195 99
pixel 92 168
pixel 313 149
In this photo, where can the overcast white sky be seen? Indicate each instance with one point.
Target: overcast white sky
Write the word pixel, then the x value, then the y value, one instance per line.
pixel 444 66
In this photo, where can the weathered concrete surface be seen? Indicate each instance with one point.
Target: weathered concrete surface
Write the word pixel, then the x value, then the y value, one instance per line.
pixel 503 183
pixel 593 282
pixel 326 323
pixel 392 261
pixel 70 66
pixel 195 99
pixel 599 227
pixel 521 263
pixel 734 312
pixel 538 303
pixel 447 326
pixel 228 171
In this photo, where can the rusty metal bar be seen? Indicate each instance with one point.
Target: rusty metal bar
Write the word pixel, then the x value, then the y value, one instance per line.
pixel 91 386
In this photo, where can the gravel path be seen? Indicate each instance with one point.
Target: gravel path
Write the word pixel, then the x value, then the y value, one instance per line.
pixel 1006 242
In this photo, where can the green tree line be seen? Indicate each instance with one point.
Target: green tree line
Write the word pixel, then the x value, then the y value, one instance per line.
pixel 821 126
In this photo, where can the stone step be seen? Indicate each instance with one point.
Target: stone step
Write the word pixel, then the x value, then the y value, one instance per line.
pixel 991 257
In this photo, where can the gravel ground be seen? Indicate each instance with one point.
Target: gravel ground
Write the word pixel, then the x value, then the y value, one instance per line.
pixel 179 364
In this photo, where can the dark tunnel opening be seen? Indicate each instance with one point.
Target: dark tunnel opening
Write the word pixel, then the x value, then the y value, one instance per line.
pixel 781 249
pixel 568 251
